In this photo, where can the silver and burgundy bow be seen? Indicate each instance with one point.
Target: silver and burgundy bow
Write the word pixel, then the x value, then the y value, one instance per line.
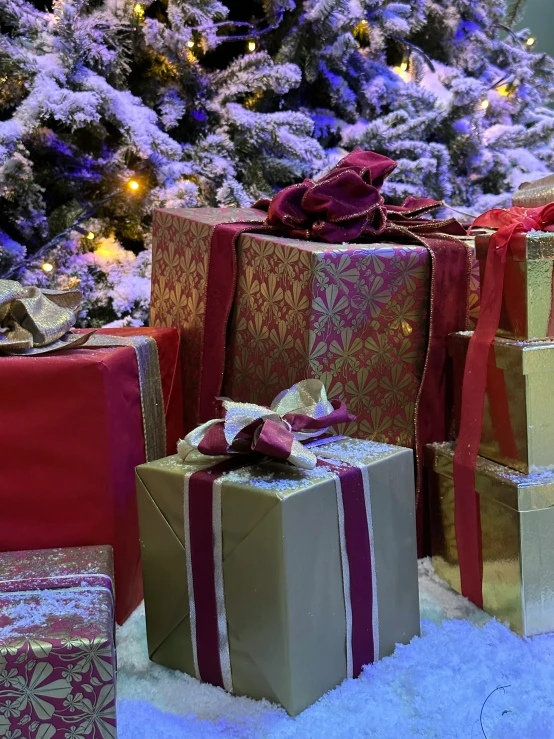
pixel 297 415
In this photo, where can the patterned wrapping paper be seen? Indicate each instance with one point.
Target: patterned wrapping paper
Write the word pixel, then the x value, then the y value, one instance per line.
pixel 353 315
pixel 57 649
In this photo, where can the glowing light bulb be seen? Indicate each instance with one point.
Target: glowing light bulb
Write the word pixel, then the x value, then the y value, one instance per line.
pixel 138 10
pixel 47 267
pixel 134 185
pixel 90 236
pixel 251 46
pixel 190 44
pixel 361 32
pixel 402 71
pixel 530 41
pixel 484 104
pixel 504 90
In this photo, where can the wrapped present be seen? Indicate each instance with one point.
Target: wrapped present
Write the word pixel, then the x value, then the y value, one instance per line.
pixel 272 579
pixel 515 534
pixel 526 309
pixel 535 194
pixel 75 424
pixel 510 224
pixel 264 300
pixel 57 648
pixel 518 420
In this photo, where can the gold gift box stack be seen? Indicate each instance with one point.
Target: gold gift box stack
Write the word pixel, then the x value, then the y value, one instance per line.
pixel 514 476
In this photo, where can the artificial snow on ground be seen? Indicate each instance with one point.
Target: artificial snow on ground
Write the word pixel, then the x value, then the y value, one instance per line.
pixel 434 688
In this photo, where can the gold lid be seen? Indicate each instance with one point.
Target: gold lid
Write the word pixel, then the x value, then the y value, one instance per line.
pixel 513 489
pixel 523 356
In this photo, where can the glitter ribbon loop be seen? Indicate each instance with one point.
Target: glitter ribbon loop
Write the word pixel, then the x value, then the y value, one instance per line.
pixel 33 320
pixel 301 413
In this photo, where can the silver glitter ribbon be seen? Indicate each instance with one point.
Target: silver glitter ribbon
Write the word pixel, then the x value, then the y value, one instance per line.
pixel 35 321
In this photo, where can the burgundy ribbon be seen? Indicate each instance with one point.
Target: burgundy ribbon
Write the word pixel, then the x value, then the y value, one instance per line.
pixel 357 534
pixel 509 222
pixel 346 205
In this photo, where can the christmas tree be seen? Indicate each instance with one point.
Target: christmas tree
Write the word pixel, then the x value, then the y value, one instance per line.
pixel 109 108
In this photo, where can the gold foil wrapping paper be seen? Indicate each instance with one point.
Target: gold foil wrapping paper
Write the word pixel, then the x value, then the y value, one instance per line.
pixel 284 595
pixel 528 289
pixel 517 520
pixel 518 420
pixel 535 194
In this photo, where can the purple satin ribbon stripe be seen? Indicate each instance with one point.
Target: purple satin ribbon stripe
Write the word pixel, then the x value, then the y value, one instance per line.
pixel 200 502
pixel 360 564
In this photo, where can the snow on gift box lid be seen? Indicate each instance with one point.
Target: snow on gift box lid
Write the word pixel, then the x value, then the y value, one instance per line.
pixel 57 646
pixel 46 569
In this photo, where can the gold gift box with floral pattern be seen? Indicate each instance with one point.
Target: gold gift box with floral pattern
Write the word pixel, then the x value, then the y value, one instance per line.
pixel 353 315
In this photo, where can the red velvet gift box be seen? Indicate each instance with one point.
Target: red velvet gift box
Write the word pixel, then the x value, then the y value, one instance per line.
pixel 72 433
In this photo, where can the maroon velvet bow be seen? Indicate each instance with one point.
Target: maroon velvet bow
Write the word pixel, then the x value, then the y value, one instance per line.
pixel 346 204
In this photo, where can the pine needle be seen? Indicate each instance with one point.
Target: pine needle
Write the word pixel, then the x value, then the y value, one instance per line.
pixel 514 12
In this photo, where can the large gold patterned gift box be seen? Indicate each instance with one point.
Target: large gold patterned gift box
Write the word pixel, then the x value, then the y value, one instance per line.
pixel 517 520
pixel 518 420
pixel 287 625
pixel 527 297
pixel 354 315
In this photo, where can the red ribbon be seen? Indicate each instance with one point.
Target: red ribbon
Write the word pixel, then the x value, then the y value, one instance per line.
pixel 347 205
pixel 509 222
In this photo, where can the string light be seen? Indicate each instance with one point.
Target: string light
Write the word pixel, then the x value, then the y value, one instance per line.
pixel 402 71
pixel 504 90
pixel 138 10
pixel 47 267
pixel 190 44
pixel 530 41
pixel 251 46
pixel 133 185
pixel 361 32
pixel 484 104
pixel 90 236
